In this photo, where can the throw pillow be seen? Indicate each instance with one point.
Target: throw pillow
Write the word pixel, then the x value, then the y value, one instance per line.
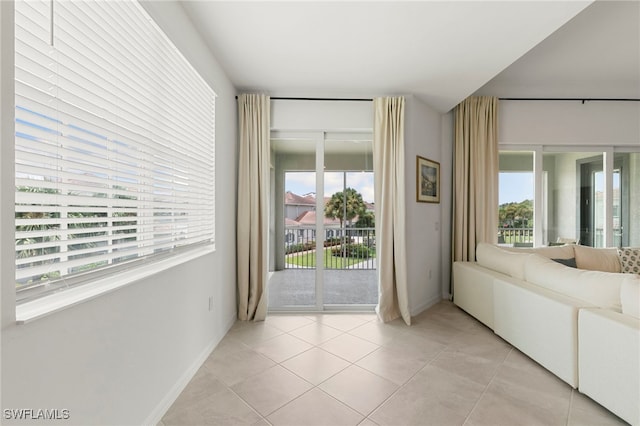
pixel 567 262
pixel 597 259
pixel 629 260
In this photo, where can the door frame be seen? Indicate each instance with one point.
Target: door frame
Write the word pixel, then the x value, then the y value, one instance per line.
pixel 319 138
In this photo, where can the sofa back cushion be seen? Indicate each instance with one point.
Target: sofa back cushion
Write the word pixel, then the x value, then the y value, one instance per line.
pixel 597 259
pixel 499 260
pixel 630 296
pixel 551 252
pixel 598 288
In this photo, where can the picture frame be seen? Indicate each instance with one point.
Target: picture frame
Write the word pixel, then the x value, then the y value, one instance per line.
pixel 427 180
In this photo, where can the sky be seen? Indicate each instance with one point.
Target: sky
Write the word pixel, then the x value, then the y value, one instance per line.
pixel 302 183
pixel 515 187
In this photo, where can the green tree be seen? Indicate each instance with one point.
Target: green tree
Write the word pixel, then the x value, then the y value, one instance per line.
pixel 366 220
pixel 515 214
pixel 335 208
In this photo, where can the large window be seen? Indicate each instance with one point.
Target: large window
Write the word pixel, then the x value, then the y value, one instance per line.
pixel 114 143
pixel 588 197
pixel 515 209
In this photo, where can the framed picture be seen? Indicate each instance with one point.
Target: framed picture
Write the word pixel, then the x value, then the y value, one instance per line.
pixel 427 180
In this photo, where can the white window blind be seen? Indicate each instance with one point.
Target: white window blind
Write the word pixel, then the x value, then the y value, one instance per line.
pixel 114 142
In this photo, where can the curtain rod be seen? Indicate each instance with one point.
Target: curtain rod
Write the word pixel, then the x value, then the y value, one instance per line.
pixel 278 98
pixel 583 100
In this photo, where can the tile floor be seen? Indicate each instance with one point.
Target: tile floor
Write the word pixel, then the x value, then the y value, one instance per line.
pixel 446 369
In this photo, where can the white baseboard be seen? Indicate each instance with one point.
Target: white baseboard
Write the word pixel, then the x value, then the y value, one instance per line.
pixel 161 409
pixel 426 305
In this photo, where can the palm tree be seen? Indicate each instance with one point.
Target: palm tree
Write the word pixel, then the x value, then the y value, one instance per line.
pixel 335 208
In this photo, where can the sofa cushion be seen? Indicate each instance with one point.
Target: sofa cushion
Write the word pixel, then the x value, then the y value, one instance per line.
pixel 597 259
pixel 629 260
pixel 554 252
pixel 499 260
pixel 630 296
pixel 598 288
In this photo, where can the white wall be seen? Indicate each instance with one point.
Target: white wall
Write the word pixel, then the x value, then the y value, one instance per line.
pixel 321 115
pixel 423 220
pixel 569 123
pixel 446 200
pixel 123 357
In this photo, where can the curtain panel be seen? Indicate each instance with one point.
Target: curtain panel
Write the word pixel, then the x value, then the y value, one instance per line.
pixel 253 206
pixel 389 181
pixel 475 180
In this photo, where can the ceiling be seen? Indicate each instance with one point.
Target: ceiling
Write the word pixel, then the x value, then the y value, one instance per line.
pixel 439 51
pixel 595 55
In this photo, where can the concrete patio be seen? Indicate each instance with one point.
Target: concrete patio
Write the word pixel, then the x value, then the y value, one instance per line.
pixel 296 287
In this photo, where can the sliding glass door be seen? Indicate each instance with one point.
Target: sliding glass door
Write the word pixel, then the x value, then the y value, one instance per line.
pixel 322 244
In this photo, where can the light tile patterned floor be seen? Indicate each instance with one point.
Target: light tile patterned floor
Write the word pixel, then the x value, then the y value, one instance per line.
pixel 333 369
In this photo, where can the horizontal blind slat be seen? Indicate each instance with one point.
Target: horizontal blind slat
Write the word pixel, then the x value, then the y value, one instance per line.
pixel 114 141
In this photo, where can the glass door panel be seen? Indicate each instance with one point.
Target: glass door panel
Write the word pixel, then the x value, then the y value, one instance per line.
pixel 292 246
pixel 350 276
pixel 631 200
pixel 515 193
pixel 574 197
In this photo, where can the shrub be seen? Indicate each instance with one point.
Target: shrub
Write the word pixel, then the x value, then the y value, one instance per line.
pixel 359 251
pixel 296 248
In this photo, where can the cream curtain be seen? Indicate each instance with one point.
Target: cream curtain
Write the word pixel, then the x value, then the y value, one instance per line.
pixel 253 207
pixel 475 180
pixel 388 163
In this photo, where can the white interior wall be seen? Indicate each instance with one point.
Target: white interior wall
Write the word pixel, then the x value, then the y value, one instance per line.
pixel 304 115
pixel 423 220
pixel 569 123
pixel 446 199
pixel 123 357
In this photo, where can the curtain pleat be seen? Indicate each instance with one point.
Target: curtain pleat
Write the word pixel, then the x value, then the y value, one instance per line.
pixel 253 207
pixel 475 180
pixel 389 172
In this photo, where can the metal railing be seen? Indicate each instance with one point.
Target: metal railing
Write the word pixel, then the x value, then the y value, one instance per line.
pixel 515 236
pixel 344 248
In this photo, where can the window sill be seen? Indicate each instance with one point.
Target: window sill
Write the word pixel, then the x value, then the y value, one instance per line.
pixel 36 309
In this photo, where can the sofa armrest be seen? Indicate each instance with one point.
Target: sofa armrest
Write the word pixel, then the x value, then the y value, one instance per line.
pixel 473 290
pixel 541 323
pixel 609 361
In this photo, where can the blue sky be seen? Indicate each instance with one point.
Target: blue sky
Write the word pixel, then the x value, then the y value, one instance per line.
pixel 515 187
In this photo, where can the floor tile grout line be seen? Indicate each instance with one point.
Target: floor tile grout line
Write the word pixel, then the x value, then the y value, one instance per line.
pixel 247 404
pixel 400 387
pixel 570 407
pixel 486 388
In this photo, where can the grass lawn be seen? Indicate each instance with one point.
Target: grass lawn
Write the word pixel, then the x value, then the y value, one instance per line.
pixel 308 258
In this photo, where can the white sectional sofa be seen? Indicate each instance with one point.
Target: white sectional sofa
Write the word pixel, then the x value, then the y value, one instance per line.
pixel 581 323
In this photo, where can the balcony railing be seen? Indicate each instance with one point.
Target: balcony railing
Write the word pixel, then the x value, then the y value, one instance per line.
pixel 515 236
pixel 344 248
